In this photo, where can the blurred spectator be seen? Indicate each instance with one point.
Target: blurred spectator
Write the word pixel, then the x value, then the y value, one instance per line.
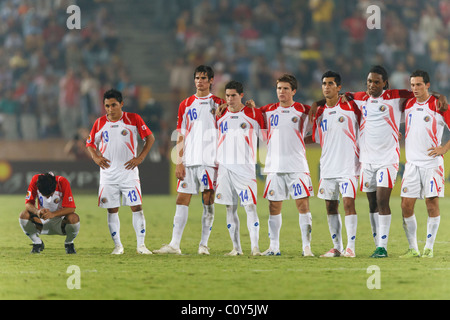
pixel 69 104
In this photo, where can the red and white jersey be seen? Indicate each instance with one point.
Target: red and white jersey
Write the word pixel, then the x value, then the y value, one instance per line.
pixel 336 128
pixel 61 198
pixel 286 128
pixel 424 126
pixel 197 123
pixel 118 141
pixel 237 145
pixel 379 129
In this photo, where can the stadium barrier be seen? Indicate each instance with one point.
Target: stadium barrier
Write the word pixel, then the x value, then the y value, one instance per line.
pixel 82 175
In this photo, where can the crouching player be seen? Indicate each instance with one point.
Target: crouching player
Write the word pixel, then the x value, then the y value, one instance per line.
pixel 54 214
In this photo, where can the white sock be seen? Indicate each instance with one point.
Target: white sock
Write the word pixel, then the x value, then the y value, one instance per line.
pixel 410 227
pixel 335 227
pixel 207 223
pixel 374 224
pixel 351 223
pixel 275 222
pixel 432 229
pixel 139 227
pixel 71 232
pixel 30 230
pixel 179 222
pixel 305 222
pixel 384 226
pixel 233 226
pixel 114 228
pixel 252 225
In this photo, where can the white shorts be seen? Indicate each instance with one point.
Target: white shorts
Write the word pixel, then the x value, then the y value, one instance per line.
pixel 374 176
pixel 232 188
pixel 198 178
pixel 421 182
pixel 280 185
pixel 113 195
pixel 329 189
pixel 52 226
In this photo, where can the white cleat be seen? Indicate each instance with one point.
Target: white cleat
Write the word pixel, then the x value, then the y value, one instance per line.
pixel 118 250
pixel 142 249
pixel 349 253
pixel 307 252
pixel 203 250
pixel 234 252
pixel 332 253
pixel 256 252
pixel 271 252
pixel 167 249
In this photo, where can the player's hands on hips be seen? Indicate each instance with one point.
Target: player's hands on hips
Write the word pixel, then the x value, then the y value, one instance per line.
pixel 437 151
pixel 133 163
pixel 102 162
pixel 180 171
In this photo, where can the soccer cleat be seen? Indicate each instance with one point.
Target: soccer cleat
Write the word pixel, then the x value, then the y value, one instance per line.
pixel 234 252
pixel 167 249
pixel 142 249
pixel 271 252
pixel 203 250
pixel 349 253
pixel 37 247
pixel 411 253
pixel 427 253
pixel 70 248
pixel 307 252
pixel 117 250
pixel 256 252
pixel 379 252
pixel 333 253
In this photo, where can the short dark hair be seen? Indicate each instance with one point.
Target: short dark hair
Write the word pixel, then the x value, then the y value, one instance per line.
pixel 113 94
pixel 235 85
pixel 289 79
pixel 46 183
pixel 206 70
pixel 381 71
pixel 332 74
pixel 421 73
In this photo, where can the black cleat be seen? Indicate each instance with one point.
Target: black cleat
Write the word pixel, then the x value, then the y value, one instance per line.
pixel 38 247
pixel 70 248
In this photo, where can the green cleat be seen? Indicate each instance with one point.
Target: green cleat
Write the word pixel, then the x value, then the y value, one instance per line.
pixel 427 253
pixel 411 253
pixel 379 252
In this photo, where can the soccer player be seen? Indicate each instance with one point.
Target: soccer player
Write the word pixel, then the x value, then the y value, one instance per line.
pixel 113 144
pixel 424 170
pixel 336 128
pixel 239 127
pixel 54 214
pixel 382 110
pixel 196 167
pixel 286 165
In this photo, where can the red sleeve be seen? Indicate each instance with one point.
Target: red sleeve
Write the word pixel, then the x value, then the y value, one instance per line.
pixel 32 191
pixel 99 123
pixel 67 197
pixel 143 130
pixel 319 112
pixel 182 108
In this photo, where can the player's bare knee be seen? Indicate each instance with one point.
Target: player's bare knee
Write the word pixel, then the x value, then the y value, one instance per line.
pixel 72 218
pixel 331 206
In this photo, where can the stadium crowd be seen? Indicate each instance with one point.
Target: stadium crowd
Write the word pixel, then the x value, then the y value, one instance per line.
pixel 49 76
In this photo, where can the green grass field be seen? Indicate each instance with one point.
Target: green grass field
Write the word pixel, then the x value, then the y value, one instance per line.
pixel 216 277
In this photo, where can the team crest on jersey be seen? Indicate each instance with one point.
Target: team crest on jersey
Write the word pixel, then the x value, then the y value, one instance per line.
pixel 405 190
pixel 184 185
pixel 294 119
pixel 341 119
pixel 366 184
pixel 322 191
pixel 213 111
pixel 219 196
pixel 271 192
pixel 243 125
pixel 124 132
pixel 89 140
pixel 427 119
pixel 56 201
pixel 383 108
pixel 28 196
pixel 104 200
